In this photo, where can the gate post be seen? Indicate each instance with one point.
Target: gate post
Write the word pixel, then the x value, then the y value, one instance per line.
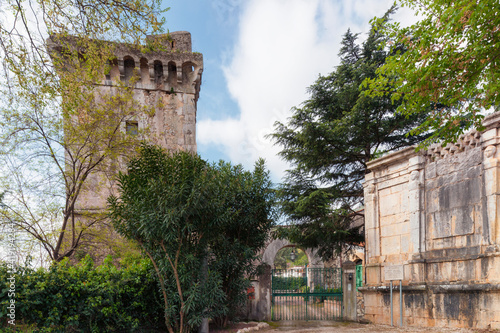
pixel 349 290
pixel 263 309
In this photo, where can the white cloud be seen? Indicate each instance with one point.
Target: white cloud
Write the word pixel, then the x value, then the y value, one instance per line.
pixel 282 47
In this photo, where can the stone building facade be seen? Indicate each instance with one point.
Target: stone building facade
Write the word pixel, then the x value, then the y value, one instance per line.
pixel 433 217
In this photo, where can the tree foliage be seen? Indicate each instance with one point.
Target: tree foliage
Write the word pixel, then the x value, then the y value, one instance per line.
pixel 185 213
pixel 56 127
pixel 451 66
pixel 329 140
pixel 246 204
pixel 83 297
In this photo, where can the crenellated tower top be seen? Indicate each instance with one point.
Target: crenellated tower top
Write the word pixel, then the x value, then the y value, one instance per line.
pixel 174 69
pixel 169 65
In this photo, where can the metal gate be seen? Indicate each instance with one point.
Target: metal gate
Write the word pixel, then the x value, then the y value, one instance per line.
pixel 306 294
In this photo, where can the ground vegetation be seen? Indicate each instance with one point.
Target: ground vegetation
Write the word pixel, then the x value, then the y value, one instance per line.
pixel 81 298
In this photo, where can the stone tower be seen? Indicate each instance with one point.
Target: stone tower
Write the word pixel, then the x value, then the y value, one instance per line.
pixel 165 87
pixel 169 82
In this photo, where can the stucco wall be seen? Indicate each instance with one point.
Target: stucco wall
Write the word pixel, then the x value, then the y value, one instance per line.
pixel 435 213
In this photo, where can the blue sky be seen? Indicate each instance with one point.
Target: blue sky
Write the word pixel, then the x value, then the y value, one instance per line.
pixel 259 58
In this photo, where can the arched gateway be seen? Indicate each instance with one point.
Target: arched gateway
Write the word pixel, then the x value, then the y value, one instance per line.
pixel 312 293
pixel 274 246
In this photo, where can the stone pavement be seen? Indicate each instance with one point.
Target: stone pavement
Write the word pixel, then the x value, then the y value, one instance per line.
pixel 329 326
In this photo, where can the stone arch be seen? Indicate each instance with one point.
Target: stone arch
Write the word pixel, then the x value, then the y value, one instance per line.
pixel 260 308
pixel 128 67
pixel 172 73
pixel 158 70
pixel 277 244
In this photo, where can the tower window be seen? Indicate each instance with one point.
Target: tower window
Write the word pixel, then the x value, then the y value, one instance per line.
pixel 132 127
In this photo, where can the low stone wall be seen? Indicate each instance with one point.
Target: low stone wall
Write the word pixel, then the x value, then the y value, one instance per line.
pixel 360 306
pixel 437 306
pixel 434 216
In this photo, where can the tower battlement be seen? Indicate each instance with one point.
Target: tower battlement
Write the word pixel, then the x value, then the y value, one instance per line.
pixel 175 69
pixel 177 40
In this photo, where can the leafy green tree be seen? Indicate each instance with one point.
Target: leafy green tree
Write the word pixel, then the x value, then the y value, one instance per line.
pixel 451 66
pixel 246 202
pixel 329 140
pixel 183 212
pixel 56 130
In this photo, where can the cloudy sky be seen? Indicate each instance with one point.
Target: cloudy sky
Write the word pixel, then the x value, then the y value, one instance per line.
pixel 259 58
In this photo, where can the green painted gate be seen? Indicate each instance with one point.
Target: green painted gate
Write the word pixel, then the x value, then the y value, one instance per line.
pixel 306 294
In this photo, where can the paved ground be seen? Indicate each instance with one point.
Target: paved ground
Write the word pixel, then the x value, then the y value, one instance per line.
pixel 334 327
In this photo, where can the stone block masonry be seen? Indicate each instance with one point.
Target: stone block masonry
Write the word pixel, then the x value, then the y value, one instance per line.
pixel 168 82
pixel 165 86
pixel 436 213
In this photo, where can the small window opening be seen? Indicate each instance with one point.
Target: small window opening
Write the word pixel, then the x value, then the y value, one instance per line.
pixel 172 43
pixel 158 66
pixel 172 73
pixel 129 65
pixel 132 127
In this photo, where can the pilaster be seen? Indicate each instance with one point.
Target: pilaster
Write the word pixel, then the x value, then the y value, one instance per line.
pixel 416 195
pixel 491 183
pixel 372 227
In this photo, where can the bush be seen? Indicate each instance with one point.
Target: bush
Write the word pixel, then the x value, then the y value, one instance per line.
pixel 288 283
pixel 85 298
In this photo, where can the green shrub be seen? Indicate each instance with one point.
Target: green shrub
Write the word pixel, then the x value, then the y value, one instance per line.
pixel 85 298
pixel 288 283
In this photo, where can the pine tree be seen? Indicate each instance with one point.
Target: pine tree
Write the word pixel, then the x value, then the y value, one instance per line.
pixel 329 140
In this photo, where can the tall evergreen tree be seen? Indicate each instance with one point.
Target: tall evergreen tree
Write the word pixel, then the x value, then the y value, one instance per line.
pixel 330 139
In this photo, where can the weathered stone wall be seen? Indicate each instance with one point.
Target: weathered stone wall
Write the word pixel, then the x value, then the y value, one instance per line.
pixel 360 306
pixel 166 86
pixel 169 85
pixel 436 213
